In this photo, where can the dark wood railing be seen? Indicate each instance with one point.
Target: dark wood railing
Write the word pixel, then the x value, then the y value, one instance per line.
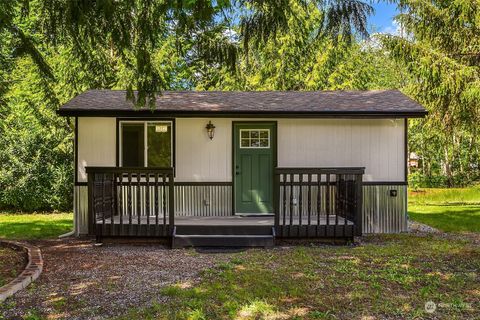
pixel 309 202
pixel 318 202
pixel 130 201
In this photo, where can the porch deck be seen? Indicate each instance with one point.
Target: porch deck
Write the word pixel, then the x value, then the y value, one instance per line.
pixel 317 226
pixel 267 220
pixel 308 202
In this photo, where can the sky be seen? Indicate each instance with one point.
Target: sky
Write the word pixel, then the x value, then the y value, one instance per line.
pixel 382 19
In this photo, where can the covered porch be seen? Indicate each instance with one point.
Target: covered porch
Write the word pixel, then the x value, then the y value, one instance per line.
pixel 147 202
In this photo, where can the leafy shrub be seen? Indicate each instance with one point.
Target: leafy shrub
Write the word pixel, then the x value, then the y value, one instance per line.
pixel 36 156
pixel 36 171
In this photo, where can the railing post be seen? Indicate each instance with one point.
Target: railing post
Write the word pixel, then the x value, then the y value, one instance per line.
pixel 91 204
pixel 359 205
pixel 276 200
pixel 171 202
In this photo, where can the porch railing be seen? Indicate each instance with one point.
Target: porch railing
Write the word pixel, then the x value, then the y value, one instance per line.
pixel 309 202
pixel 130 201
pixel 318 202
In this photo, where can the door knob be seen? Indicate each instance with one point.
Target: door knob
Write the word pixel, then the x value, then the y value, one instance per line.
pixel 237 173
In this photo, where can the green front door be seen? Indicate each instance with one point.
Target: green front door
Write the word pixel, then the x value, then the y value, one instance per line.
pixel 254 155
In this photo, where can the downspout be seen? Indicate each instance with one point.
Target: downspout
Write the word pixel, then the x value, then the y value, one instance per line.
pixel 74 231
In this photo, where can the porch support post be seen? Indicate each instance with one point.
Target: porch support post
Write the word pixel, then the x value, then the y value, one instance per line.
pixel 91 204
pixel 171 202
pixel 276 199
pixel 359 205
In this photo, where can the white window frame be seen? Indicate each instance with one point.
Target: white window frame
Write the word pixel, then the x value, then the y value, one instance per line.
pixel 250 130
pixel 145 139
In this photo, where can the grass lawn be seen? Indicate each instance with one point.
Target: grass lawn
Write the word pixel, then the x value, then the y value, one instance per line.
pixel 387 277
pixel 452 196
pixel 34 225
pixel 449 210
pixel 447 218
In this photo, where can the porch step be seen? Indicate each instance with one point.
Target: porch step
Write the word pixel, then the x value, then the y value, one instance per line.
pixel 225 238
pixel 239 230
pixel 182 241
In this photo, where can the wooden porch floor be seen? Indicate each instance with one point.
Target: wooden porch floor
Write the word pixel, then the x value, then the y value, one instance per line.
pixel 267 220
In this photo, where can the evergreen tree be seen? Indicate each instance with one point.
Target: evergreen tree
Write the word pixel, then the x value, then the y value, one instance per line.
pixel 441 51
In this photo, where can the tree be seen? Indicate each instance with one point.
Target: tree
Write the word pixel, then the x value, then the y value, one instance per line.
pixel 441 51
pixel 37 149
pixel 130 30
pixel 298 59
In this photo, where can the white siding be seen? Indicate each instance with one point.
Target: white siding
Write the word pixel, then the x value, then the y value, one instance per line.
pixel 96 144
pixel 197 157
pixel 377 144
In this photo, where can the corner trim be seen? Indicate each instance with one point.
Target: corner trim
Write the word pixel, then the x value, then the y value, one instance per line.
pixel 75 151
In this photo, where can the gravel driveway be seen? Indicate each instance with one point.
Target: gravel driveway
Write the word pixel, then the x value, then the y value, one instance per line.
pixel 81 281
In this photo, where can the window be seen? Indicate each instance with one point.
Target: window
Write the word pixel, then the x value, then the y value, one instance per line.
pixel 146 143
pixel 254 138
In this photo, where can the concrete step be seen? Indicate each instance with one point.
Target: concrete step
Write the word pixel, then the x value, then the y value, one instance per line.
pixel 222 240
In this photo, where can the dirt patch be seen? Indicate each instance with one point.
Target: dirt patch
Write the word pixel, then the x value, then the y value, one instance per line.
pixel 12 263
pixel 82 281
pixel 417 227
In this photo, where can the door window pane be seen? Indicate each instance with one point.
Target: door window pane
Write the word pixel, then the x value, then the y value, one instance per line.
pixel 133 143
pixel 255 138
pixel 159 138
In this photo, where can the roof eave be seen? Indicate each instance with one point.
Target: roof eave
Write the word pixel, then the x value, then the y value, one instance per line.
pixel 234 114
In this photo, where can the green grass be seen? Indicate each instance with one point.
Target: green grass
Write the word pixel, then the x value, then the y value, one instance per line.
pixel 34 225
pixel 449 210
pixel 449 218
pixel 440 196
pixel 387 277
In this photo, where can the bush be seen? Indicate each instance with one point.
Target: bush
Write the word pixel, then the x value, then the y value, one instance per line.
pixel 36 171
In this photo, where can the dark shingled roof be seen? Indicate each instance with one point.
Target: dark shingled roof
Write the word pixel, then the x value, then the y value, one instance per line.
pixel 221 103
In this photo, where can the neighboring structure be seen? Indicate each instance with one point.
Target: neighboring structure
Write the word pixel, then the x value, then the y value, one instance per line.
pixel 241 168
pixel 413 160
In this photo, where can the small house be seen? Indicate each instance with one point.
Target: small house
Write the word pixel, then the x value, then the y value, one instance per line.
pixel 241 168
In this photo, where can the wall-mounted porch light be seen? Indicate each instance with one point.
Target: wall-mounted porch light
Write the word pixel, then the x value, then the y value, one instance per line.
pixel 210 129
